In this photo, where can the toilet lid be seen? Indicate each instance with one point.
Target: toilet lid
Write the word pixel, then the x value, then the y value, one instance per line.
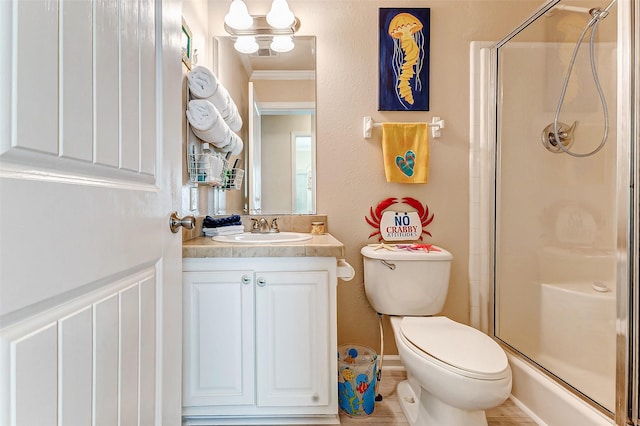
pixel 469 350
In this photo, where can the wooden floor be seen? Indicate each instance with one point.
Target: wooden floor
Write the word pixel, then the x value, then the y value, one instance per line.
pixel 388 412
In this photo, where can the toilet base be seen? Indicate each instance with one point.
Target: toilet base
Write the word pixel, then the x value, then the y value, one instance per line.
pixel 426 410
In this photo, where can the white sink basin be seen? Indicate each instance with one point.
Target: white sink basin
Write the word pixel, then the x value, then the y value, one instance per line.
pixel 249 238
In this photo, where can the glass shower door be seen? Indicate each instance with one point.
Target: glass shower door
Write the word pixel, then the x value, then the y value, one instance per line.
pixel 556 214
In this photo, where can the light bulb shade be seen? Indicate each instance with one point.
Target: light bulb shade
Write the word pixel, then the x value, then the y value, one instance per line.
pixel 280 16
pixel 246 44
pixel 238 16
pixel 282 43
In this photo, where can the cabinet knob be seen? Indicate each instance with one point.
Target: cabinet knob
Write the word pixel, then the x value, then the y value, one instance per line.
pixel 262 281
pixel 246 279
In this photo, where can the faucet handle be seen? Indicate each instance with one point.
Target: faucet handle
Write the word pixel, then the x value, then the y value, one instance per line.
pixel 255 226
pixel 274 225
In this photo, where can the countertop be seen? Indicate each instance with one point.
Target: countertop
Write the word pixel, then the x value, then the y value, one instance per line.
pixel 318 246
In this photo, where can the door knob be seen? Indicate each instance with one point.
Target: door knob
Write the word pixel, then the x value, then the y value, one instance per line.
pixel 262 281
pixel 176 222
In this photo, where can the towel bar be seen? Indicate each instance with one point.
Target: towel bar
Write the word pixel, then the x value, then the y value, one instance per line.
pixel 436 125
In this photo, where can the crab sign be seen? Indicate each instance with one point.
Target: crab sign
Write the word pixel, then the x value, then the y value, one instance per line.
pixel 375 216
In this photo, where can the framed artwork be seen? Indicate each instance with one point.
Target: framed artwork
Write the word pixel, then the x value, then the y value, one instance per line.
pixel 185 45
pixel 403 79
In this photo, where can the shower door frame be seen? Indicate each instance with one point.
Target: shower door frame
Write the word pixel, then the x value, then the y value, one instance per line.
pixel 627 402
pixel 630 36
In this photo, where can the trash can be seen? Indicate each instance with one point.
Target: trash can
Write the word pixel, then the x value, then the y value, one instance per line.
pixel 357 375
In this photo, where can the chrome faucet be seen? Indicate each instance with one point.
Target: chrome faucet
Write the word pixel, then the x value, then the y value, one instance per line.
pixel 261 226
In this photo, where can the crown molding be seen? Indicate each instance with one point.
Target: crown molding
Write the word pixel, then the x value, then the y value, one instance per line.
pixel 283 75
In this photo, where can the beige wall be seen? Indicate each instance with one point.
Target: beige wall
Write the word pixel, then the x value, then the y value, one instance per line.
pixel 350 172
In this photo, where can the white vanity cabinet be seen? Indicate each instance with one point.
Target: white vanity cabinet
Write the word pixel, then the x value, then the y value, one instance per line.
pixel 259 340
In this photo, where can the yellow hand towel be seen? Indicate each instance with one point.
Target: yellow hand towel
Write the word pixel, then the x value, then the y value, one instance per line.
pixel 405 148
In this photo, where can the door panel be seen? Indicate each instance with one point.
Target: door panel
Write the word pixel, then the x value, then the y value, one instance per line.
pixel 105 373
pixel 129 101
pixel 148 362
pixel 147 89
pixel 84 360
pixel 106 82
pixel 75 337
pixel 100 221
pixel 129 355
pixel 76 79
pixel 90 91
pixel 37 65
pixel 34 378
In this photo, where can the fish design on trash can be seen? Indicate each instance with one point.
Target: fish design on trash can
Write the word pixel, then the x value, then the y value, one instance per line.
pixel 356 389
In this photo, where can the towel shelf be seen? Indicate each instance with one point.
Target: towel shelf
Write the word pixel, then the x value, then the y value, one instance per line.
pixel 436 125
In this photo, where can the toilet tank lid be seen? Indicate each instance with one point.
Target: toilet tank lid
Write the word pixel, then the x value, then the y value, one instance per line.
pixel 397 252
pixel 458 345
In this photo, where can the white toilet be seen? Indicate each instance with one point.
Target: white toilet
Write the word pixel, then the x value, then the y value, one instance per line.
pixel 454 372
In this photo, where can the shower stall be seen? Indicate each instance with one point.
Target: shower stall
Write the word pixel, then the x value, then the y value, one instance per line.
pixel 553 209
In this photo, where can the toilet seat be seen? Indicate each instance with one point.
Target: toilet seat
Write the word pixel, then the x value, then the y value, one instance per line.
pixel 458 347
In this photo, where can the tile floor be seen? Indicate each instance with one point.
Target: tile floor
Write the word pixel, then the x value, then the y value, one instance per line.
pixel 388 411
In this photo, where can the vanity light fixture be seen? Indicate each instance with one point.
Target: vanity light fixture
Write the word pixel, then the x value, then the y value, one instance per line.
pixel 238 16
pixel 282 43
pixel 246 44
pixel 280 16
pixel 280 25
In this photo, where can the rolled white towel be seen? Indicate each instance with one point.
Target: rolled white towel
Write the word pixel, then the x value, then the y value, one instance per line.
pixel 235 145
pixel 202 82
pixel 205 85
pixel 234 120
pixel 228 144
pixel 227 108
pixel 207 124
pixel 238 148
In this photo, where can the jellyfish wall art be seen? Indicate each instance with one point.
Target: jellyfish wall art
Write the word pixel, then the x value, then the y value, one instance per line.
pixel 404 59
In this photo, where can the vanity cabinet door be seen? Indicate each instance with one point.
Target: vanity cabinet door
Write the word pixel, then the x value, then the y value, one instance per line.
pixel 292 337
pixel 218 338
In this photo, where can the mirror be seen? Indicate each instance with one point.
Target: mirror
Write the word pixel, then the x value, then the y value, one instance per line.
pixel 277 93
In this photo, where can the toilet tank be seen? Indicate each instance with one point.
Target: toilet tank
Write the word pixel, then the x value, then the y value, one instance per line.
pixel 406 282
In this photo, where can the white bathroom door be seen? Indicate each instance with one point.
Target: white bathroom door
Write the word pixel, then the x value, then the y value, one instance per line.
pixel 90 170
